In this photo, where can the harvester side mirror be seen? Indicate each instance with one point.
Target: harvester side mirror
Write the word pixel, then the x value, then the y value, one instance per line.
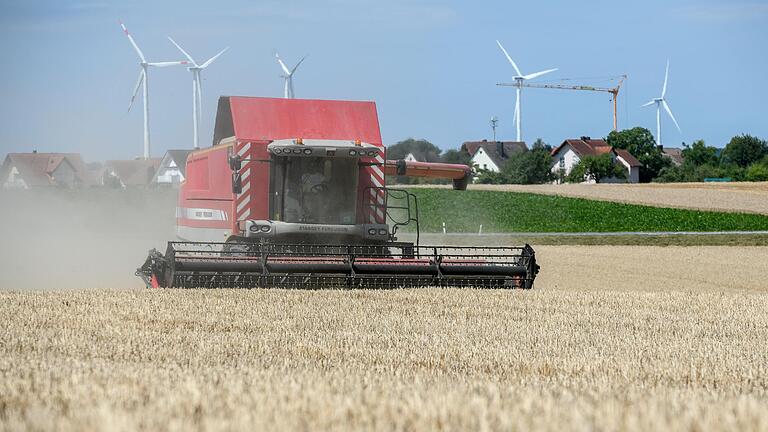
pixel 235 163
pixel 237 183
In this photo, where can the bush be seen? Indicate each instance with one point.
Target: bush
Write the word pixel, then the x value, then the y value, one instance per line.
pixel 757 172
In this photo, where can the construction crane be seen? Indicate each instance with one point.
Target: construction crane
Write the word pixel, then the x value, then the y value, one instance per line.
pixel 614 91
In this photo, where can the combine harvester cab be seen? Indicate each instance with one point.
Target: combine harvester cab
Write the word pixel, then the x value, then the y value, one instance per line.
pixel 292 194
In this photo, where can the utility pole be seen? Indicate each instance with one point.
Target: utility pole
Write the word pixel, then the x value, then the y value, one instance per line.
pixel 494 122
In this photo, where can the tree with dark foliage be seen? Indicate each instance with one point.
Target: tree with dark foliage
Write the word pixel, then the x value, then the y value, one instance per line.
pixel 639 142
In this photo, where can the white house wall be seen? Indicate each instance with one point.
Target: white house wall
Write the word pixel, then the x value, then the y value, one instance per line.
pixel 166 174
pixel 570 159
pixel 14 181
pixel 483 161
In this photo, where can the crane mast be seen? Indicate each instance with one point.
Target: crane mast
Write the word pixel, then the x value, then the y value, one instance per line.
pixel 614 91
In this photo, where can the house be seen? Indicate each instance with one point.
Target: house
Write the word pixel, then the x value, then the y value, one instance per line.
pixel 129 173
pixel 410 157
pixel 172 168
pixel 31 170
pixel 570 152
pixel 489 155
pixel 674 154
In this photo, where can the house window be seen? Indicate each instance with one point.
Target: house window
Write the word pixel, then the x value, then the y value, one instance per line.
pixel 562 162
pixel 485 166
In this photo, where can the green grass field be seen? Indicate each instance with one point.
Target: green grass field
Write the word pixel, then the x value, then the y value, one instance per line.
pixel 465 211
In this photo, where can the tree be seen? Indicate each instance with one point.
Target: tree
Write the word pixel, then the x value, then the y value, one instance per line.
pixel 640 143
pixel 743 150
pixel 456 157
pixel 698 154
pixel 596 168
pixel 530 167
pixel 421 149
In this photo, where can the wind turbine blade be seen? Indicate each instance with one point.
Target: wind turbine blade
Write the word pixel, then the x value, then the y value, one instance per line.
pixel 166 64
pixel 297 64
pixel 211 60
pixel 538 74
pixel 136 89
pixel 182 51
pixel 666 75
pixel 669 111
pixel 649 103
pixel 282 65
pixel 517 70
pixel 133 42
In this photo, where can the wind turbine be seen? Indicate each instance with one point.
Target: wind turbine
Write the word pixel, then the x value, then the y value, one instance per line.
pixel 197 89
pixel 661 101
pixel 143 78
pixel 288 77
pixel 519 80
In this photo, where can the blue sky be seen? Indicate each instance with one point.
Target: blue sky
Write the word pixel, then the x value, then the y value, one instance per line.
pixel 431 66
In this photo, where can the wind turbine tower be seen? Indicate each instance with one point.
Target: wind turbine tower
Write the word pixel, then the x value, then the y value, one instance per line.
pixel 519 81
pixel 143 79
pixel 197 90
pixel 288 77
pixel 662 101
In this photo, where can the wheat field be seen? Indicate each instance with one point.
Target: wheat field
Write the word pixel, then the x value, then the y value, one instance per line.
pixel 582 351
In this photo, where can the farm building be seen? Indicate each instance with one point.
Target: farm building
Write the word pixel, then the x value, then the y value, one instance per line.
pixel 129 173
pixel 570 152
pixel 32 170
pixel 172 168
pixel 489 155
pixel 674 154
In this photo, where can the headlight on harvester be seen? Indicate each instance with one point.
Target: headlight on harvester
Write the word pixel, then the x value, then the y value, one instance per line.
pixel 372 231
pixel 382 231
pixel 353 153
pixel 265 228
pixel 307 151
pixel 277 150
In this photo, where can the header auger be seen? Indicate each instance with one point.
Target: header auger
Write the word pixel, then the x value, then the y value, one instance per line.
pixel 259 209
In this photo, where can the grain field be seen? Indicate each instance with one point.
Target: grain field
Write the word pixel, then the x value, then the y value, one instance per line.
pixel 679 346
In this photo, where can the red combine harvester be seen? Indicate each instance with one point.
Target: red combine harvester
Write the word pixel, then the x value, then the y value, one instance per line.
pixel 292 194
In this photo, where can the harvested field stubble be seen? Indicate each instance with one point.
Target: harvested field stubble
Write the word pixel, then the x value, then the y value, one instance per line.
pixel 572 356
pixel 750 197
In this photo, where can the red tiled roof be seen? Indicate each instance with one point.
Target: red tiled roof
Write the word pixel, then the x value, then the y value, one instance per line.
pixel 36 168
pixel 136 172
pixel 627 156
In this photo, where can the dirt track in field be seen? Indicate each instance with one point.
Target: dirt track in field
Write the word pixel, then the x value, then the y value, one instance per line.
pixel 738 197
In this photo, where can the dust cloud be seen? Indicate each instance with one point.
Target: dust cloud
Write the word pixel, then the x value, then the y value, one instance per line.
pixel 81 238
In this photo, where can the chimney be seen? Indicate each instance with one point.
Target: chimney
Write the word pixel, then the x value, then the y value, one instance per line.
pixel 500 149
pixel 586 138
